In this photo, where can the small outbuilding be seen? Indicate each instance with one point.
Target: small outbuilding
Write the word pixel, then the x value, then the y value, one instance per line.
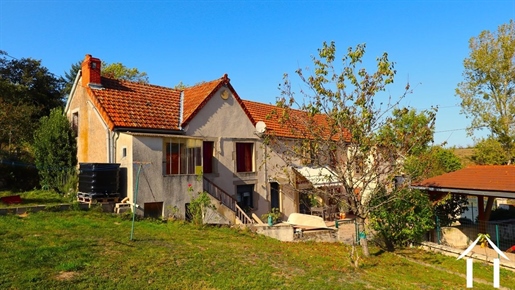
pixel 485 181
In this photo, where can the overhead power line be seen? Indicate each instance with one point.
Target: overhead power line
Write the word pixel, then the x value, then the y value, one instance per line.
pixel 462 129
pixel 451 130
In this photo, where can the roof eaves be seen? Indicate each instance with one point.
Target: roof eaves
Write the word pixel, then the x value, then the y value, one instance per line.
pixel 149 131
pixel 162 135
pixel 98 106
pixel 242 105
pixel 494 193
pixel 72 91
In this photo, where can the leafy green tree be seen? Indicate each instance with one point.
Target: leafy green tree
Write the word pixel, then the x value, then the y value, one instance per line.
pixel 489 151
pixel 118 71
pixel 70 76
pixel 436 161
pixel 401 221
pixel 433 161
pixel 487 91
pixel 26 81
pixel 342 114
pixel 55 150
pixel 16 126
pixel 180 86
pixel 449 208
pixel 410 131
pixel 16 170
pixel 28 91
pixel 114 70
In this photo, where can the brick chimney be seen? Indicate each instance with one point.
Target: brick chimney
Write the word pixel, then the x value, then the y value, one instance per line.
pixel 91 71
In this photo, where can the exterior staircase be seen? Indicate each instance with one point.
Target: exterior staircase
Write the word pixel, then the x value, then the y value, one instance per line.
pixel 230 209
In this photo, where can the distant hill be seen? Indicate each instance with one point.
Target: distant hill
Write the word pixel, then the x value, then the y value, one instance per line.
pixel 465 155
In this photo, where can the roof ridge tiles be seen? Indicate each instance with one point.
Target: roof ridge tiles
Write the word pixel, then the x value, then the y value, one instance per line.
pixel 139 83
pixel 488 165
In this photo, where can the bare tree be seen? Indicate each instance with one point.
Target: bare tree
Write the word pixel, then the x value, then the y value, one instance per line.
pixel 344 120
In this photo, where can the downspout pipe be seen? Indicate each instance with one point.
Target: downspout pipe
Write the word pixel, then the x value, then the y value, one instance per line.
pixel 116 136
pixel 113 136
pixel 109 147
pixel 267 183
pixel 181 110
pixel 108 134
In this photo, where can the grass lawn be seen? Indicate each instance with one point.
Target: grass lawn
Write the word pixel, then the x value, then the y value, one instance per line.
pixel 92 250
pixel 36 197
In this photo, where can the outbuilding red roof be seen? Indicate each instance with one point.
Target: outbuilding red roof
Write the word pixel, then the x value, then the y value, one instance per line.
pixel 484 178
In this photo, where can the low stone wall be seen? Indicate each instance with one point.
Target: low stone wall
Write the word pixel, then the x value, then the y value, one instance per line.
pixel 324 236
pixel 288 233
pixel 281 232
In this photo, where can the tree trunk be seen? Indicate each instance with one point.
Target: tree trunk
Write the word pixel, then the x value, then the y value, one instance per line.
pixel 387 241
pixel 388 244
pixel 362 237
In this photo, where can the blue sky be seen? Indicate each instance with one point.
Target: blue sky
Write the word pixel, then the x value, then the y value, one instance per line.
pixel 256 42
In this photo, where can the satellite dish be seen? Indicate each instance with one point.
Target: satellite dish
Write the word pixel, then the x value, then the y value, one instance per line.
pixel 260 127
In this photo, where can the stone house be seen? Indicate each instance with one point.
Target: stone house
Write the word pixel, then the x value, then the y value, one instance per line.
pixel 182 141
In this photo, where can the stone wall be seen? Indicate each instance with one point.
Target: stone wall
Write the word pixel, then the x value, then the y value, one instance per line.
pixel 285 232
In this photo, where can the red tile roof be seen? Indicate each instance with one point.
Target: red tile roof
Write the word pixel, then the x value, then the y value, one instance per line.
pixel 136 105
pixel 197 96
pixel 269 115
pixel 295 127
pixel 125 104
pixel 485 178
pixel 143 106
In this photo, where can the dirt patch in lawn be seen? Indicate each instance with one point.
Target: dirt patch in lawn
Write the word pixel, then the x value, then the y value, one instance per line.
pixel 66 276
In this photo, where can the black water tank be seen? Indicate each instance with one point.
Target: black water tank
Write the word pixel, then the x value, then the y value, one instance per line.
pixel 99 179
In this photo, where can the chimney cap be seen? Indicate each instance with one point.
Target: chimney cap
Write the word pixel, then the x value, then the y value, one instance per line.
pixel 91 72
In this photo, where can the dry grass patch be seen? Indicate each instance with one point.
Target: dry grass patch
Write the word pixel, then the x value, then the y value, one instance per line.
pixel 66 276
